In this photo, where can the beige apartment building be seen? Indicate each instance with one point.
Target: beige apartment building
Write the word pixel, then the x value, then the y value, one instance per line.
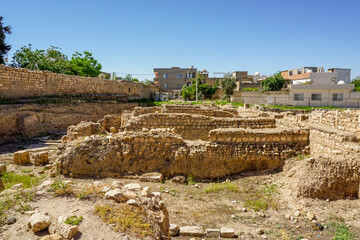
pixel 174 78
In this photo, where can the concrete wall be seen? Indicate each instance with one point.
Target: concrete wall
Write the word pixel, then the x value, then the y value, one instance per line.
pixel 23 83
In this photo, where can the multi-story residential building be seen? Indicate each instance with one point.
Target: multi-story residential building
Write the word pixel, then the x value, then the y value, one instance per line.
pixel 174 78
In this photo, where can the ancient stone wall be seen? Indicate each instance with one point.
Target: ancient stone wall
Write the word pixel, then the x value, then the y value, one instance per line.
pixel 164 151
pixel 201 110
pixel 23 83
pixel 326 142
pixel 345 120
pixel 192 127
pixel 29 120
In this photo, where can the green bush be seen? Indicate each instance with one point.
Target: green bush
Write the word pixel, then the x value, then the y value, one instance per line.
pixel 249 89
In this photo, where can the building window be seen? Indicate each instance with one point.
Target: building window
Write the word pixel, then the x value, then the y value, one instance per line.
pixel 179 76
pixel 165 75
pixel 316 97
pixel 165 85
pixel 298 97
pixel 290 73
pixel 299 71
pixel 338 97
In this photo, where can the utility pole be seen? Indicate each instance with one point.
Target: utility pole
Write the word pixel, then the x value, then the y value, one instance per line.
pixel 196 86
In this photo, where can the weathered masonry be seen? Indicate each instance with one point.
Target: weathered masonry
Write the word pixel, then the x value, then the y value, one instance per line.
pixel 151 140
pixel 23 83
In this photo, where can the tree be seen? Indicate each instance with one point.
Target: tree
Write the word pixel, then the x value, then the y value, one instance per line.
pixel 81 64
pixel 228 83
pixel 356 81
pixel 84 65
pixel 4 48
pixel 273 83
pixel 189 93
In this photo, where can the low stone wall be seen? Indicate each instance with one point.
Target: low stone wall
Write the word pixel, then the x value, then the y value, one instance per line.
pixel 30 120
pixel 23 83
pixel 192 127
pixel 164 151
pixel 345 120
pixel 201 110
pixel 326 142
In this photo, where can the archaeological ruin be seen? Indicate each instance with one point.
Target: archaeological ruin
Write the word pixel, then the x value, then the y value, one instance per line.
pixel 171 170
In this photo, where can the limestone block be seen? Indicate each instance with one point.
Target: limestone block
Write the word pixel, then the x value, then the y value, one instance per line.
pixel 152 177
pixel 67 231
pixel 22 157
pixel 52 237
pixel 41 158
pixel 192 231
pixel 213 233
pixel 227 233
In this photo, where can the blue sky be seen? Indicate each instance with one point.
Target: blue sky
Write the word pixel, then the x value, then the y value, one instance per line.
pixel 135 36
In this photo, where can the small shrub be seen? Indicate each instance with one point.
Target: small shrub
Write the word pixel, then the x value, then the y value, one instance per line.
pixel 250 89
pixel 60 188
pixel 190 180
pixel 74 220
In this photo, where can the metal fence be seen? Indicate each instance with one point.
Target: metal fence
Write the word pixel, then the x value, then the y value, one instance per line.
pixel 290 101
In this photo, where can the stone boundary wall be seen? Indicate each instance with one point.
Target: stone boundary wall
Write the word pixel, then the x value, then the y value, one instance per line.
pixel 345 120
pixel 161 150
pixel 30 120
pixel 192 127
pixel 23 83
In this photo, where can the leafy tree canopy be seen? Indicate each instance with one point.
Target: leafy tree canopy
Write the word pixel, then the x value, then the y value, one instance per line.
pixel 4 48
pixel 81 64
pixel 189 93
pixel 228 84
pixel 273 83
pixel 356 81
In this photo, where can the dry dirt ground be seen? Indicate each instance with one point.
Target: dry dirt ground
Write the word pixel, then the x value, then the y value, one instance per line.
pixel 246 202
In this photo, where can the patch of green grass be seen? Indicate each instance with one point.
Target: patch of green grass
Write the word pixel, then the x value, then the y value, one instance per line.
pixel 127 218
pixel 261 199
pixel 74 220
pixel 10 179
pixel 218 187
pixel 340 231
pixel 26 170
pixel 257 204
pixel 19 202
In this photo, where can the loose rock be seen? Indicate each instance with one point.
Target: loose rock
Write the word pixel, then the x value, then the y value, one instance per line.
pixel 38 222
pixel 174 230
